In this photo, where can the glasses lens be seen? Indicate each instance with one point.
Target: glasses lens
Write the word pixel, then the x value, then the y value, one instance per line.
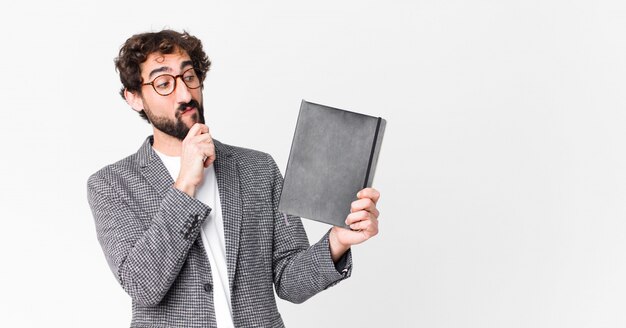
pixel 191 79
pixel 164 84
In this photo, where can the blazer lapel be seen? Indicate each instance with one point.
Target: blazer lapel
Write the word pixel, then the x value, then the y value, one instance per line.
pixel 227 174
pixel 153 169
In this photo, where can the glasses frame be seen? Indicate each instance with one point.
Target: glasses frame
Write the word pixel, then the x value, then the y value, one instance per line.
pixel 175 77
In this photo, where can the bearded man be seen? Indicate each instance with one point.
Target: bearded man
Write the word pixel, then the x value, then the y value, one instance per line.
pixel 189 225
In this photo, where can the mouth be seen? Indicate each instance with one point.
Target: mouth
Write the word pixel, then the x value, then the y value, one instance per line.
pixel 187 110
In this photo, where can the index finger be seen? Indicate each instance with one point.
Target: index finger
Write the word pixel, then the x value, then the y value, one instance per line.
pixel 370 193
pixel 197 129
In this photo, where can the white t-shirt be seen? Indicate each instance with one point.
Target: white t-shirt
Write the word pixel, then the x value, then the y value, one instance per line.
pixel 212 233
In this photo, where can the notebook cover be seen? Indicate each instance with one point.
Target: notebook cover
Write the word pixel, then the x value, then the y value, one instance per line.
pixel 333 155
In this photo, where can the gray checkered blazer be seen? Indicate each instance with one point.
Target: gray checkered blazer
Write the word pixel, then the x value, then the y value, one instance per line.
pixel 149 232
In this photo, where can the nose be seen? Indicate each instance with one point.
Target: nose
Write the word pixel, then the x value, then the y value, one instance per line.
pixel 183 94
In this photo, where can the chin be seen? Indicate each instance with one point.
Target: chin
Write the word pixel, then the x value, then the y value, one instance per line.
pixel 191 120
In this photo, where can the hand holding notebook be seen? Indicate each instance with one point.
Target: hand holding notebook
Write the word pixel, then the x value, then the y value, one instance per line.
pixel 363 223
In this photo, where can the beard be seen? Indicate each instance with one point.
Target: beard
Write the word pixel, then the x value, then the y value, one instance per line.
pixel 177 128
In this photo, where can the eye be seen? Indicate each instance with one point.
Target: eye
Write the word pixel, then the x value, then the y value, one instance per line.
pixel 162 84
pixel 190 77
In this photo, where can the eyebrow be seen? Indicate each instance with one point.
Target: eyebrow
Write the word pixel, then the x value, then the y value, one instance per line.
pixel 185 63
pixel 167 69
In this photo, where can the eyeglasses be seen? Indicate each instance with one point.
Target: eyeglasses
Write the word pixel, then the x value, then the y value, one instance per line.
pixel 165 84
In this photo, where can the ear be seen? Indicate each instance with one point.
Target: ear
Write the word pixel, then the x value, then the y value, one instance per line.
pixel 134 100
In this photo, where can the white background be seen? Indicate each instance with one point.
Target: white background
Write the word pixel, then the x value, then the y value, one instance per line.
pixel 503 171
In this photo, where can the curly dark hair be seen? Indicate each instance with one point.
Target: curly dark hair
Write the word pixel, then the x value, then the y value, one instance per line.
pixel 139 46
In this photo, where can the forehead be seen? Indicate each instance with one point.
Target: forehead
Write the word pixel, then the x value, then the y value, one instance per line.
pixel 167 63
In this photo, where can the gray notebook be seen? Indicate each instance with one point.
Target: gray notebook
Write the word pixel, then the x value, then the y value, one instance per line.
pixel 333 156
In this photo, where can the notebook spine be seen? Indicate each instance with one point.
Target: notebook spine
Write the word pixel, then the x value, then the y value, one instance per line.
pixel 372 152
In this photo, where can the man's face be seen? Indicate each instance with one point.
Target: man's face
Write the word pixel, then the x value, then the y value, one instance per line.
pixel 177 112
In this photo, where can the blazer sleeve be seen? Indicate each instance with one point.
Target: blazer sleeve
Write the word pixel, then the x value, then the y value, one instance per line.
pixel 145 255
pixel 301 271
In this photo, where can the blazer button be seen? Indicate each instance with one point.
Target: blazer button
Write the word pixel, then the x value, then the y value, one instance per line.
pixel 208 287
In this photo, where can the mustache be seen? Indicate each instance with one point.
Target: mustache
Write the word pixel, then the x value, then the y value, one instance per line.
pixel 192 103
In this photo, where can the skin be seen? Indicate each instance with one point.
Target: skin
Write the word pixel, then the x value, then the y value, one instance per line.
pixel 197 152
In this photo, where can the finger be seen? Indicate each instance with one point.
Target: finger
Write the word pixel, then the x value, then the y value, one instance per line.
pixel 209 160
pixel 361 235
pixel 361 204
pixel 365 204
pixel 370 193
pixel 197 129
pixel 203 128
pixel 205 137
pixel 361 225
pixel 357 217
pixel 208 151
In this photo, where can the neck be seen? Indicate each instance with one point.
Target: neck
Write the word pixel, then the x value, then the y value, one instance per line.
pixel 166 144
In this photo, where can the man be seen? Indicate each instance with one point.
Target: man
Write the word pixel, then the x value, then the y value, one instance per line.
pixel 189 225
